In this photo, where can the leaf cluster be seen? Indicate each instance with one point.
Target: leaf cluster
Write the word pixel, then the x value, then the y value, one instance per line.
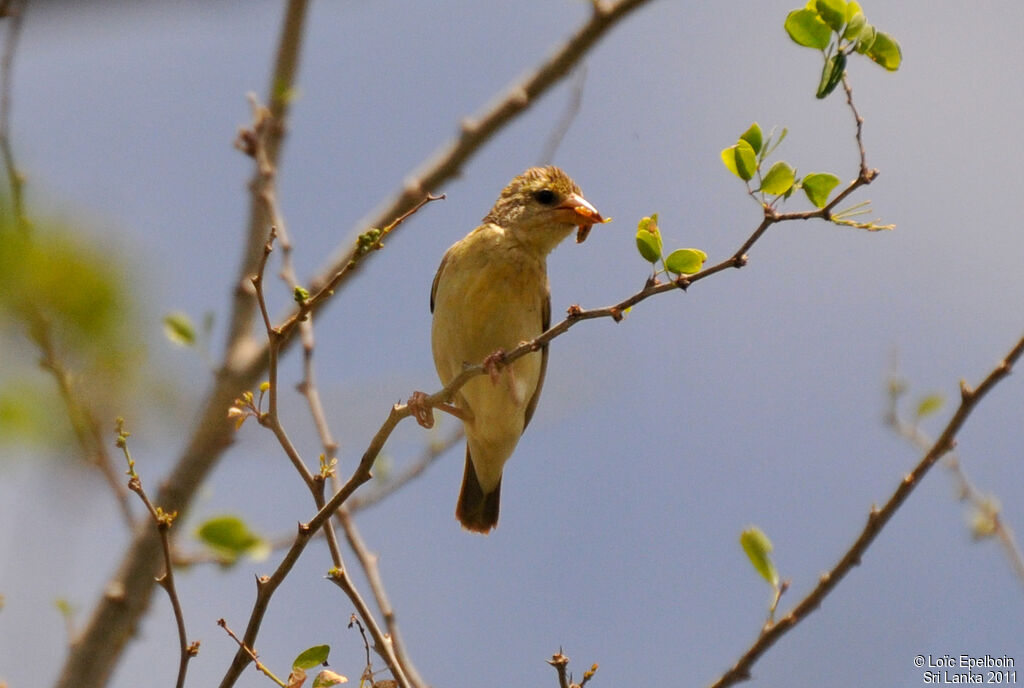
pixel 747 160
pixel 838 28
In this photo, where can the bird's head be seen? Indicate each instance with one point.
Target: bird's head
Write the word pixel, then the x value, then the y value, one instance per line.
pixel 542 206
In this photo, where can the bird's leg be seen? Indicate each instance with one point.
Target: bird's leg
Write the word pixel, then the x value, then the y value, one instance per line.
pixel 493 365
pixel 421 411
pixel 424 412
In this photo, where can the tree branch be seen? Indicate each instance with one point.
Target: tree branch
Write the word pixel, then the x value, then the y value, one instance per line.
pixel 877 519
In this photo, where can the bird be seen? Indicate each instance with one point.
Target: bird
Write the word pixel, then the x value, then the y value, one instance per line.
pixel 490 294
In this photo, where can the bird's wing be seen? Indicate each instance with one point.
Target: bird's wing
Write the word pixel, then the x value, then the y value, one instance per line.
pixel 437 278
pixel 545 324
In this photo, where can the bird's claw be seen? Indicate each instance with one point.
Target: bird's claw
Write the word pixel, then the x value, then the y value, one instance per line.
pixel 493 365
pixel 421 411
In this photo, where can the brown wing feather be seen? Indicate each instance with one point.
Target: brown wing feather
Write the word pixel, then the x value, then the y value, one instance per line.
pixel 437 278
pixel 545 317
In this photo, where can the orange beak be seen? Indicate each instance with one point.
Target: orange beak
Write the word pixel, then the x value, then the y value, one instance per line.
pixel 579 211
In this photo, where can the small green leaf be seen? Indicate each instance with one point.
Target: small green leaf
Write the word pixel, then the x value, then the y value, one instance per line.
pixel 228 535
pixel 300 294
pixel 866 38
pixel 741 160
pixel 833 12
pixel 852 9
pixel 648 239
pixel 753 136
pixel 831 74
pixel 886 51
pixel 854 24
pixel 769 146
pixel 758 548
pixel 179 330
pixel 929 405
pixel 818 186
pixel 685 261
pixel 312 657
pixel 779 179
pixel 806 28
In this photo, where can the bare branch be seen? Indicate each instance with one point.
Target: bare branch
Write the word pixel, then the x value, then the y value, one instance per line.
pixel 877 519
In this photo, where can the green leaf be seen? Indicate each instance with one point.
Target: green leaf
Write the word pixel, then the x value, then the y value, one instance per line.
pixel 228 535
pixel 831 74
pixel 685 261
pixel 833 12
pixel 866 38
pixel 758 548
pixel 854 24
pixel 648 239
pixel 929 405
pixel 818 186
pixel 852 9
pixel 779 179
pixel 886 51
pixel 806 28
pixel 741 160
pixel 300 294
pixel 769 146
pixel 178 328
pixel 753 136
pixel 312 657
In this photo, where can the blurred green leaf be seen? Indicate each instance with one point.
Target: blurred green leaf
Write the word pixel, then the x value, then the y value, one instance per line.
pixel 179 330
pixel 886 51
pixel 758 548
pixel 854 24
pixel 818 186
pixel 831 74
pixel 929 405
pixel 833 12
pixel 779 179
pixel 866 38
pixel 685 261
pixel 808 29
pixel 229 535
pixel 753 136
pixel 312 657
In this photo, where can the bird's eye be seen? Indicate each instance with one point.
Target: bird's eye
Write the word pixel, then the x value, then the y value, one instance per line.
pixel 545 197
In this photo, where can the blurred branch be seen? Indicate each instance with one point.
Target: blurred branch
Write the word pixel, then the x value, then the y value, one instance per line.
pixel 877 519
pixel 14 11
pixel 986 508
pixel 561 664
pixel 93 657
pixel 281 93
pixel 572 110
pixel 114 620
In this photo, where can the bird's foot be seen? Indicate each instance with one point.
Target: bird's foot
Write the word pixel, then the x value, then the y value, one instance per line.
pixel 421 411
pixel 494 364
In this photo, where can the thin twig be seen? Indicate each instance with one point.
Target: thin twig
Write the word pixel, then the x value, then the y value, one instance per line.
pixel 163 521
pixel 253 656
pixel 368 561
pixel 877 519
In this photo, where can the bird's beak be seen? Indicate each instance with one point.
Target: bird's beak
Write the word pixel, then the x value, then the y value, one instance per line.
pixel 577 210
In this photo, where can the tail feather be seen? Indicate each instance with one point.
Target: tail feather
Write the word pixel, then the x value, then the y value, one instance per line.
pixel 475 510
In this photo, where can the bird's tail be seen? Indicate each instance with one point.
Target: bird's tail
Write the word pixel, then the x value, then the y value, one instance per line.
pixel 477 511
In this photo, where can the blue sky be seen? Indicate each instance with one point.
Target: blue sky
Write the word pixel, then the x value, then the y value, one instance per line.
pixel 755 397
